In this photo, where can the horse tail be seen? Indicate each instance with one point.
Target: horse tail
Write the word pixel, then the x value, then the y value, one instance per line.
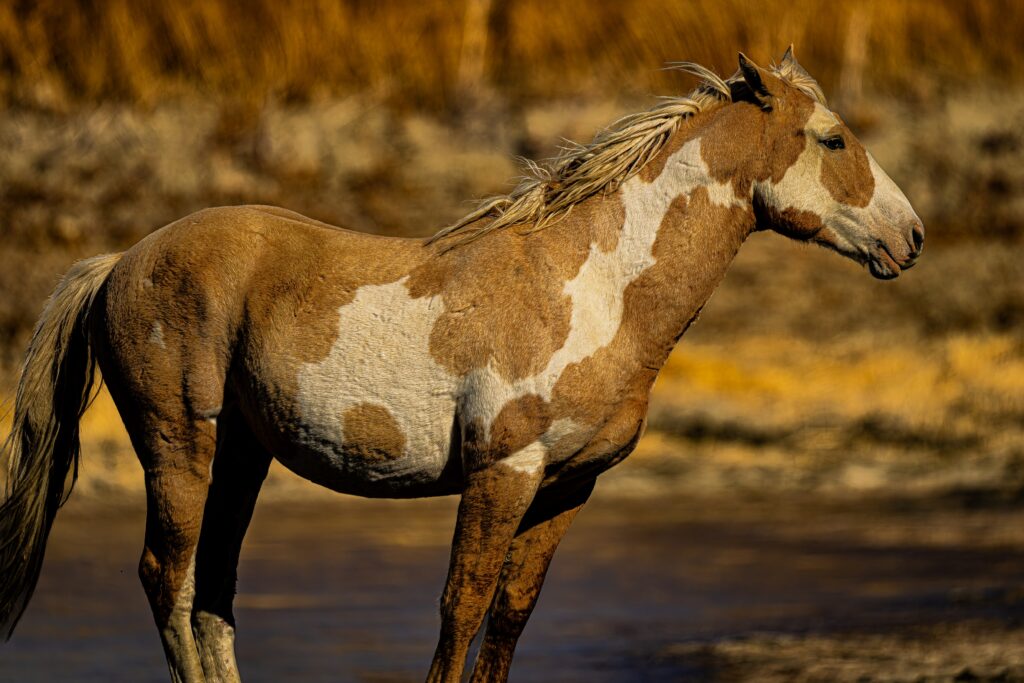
pixel 54 391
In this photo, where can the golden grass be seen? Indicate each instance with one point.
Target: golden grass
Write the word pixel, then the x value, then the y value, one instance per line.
pixel 57 52
pixel 788 377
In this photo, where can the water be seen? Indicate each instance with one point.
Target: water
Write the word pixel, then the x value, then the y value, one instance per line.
pixel 348 591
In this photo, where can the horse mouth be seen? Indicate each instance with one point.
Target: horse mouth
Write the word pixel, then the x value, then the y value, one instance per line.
pixel 883 265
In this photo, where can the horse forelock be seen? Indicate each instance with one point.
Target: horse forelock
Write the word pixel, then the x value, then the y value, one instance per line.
pixel 550 189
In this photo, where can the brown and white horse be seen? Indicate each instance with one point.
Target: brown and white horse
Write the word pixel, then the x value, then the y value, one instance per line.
pixel 508 359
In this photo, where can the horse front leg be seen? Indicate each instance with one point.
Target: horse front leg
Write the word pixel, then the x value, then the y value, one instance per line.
pixel 492 507
pixel 522 576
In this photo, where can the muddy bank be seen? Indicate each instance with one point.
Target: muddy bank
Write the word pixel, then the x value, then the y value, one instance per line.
pixel 644 590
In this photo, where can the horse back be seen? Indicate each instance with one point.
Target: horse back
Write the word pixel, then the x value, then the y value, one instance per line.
pixel 228 305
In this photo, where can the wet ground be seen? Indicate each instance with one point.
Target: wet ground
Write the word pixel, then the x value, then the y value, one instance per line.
pixel 641 590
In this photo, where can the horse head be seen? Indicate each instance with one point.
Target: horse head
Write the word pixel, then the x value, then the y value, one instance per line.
pixel 818 183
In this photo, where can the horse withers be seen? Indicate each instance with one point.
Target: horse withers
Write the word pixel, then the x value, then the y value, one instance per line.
pixel 508 359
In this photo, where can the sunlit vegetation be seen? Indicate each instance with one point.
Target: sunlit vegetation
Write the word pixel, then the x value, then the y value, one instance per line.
pixel 421 53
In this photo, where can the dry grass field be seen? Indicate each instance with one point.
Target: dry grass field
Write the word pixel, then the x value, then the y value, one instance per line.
pixel 805 383
pixel 424 54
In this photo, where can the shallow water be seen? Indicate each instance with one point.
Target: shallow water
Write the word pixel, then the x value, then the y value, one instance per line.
pixel 348 591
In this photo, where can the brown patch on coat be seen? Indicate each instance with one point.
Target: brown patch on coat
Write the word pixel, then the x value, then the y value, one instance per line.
pixel 797 224
pixel 504 299
pixel 730 143
pixel 309 270
pixel 253 288
pixel 725 145
pixel 732 137
pixel 504 306
pixel 694 245
pixel 372 433
pixel 521 422
pixel 605 216
pixel 846 173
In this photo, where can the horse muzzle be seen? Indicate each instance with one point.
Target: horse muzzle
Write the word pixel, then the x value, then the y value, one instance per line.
pixel 886 262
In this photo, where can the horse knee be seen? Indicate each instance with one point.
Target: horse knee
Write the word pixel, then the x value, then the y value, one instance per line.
pixel 149 571
pixel 510 612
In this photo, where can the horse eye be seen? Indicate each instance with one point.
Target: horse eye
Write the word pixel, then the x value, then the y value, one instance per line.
pixel 834 143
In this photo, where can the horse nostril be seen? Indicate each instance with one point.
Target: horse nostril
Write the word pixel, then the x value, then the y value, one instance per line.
pixel 918 237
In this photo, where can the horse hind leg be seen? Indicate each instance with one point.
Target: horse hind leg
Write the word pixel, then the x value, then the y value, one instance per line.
pixel 176 458
pixel 239 468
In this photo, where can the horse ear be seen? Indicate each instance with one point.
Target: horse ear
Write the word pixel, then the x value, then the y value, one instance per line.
pixel 789 59
pixel 790 67
pixel 752 87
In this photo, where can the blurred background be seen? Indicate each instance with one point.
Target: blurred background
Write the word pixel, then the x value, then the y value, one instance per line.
pixel 845 456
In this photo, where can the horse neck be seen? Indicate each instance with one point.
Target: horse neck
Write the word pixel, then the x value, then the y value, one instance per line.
pixel 678 229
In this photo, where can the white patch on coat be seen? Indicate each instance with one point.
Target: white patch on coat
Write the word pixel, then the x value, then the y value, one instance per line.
pixel 855 229
pixel 382 352
pixel 821 120
pixel 888 200
pixel 598 290
pixel 559 429
pixel 382 356
pixel 528 459
pixel 156 334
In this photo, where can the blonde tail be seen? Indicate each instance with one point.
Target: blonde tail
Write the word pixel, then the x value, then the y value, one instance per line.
pixel 55 389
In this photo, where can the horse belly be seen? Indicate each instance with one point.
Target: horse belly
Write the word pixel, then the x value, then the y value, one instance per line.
pixel 363 443
pixel 376 414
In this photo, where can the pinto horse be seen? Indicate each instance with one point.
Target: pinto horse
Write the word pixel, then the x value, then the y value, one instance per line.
pixel 508 359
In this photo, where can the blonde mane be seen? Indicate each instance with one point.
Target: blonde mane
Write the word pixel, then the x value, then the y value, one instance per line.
pixel 549 191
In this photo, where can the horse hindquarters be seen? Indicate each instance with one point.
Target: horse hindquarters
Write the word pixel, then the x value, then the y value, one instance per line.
pixel 163 355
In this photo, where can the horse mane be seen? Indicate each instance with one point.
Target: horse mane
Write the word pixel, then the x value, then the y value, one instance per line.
pixel 550 189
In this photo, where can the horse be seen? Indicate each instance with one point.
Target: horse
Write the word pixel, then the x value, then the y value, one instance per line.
pixel 509 358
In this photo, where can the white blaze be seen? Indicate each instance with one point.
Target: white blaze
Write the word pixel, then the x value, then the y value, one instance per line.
pixel 855 228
